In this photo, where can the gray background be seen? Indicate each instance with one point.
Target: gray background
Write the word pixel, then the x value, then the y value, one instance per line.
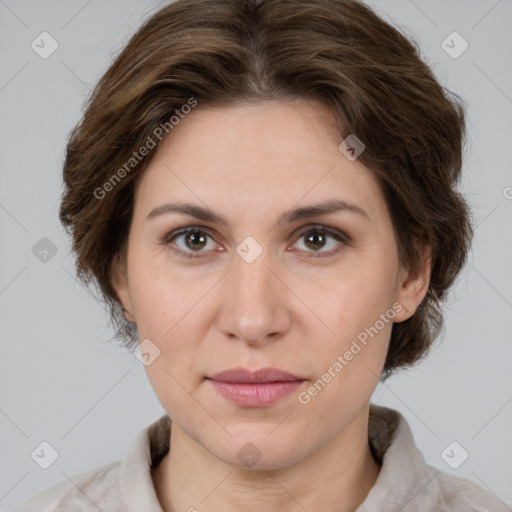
pixel 64 382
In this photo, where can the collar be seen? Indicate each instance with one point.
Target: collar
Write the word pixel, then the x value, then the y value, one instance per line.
pixel 403 477
pixel 404 474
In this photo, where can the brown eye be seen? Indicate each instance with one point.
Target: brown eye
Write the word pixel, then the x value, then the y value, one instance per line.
pixel 192 241
pixel 317 237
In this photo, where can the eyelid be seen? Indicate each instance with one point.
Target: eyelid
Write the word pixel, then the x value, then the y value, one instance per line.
pixel 337 234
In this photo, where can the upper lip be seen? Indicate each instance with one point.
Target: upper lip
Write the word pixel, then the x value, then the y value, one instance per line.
pixel 243 375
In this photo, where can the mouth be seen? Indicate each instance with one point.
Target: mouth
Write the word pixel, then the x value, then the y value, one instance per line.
pixel 257 388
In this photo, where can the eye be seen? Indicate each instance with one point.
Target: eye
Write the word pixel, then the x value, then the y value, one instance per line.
pixel 191 238
pixel 319 235
pixel 194 239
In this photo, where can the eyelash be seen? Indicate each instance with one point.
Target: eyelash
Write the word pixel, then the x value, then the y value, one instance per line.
pixel 340 237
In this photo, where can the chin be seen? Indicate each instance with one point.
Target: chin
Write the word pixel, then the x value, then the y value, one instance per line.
pixel 258 452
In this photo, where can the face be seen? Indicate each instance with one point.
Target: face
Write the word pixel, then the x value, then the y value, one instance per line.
pixel 315 296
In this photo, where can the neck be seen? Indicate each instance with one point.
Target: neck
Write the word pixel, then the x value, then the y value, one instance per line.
pixel 336 477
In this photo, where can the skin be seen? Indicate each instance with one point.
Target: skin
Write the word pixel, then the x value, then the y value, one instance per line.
pixel 287 309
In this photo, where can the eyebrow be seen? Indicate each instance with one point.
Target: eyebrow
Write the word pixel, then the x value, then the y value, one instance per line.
pixel 208 215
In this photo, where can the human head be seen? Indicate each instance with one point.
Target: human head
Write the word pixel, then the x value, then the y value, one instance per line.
pixel 227 52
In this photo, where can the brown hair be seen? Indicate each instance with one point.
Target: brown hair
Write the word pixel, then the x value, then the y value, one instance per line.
pixel 222 52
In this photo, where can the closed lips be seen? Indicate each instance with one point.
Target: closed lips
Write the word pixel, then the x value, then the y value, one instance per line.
pixel 259 376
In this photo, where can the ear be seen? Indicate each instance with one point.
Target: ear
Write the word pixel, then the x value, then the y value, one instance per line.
pixel 413 286
pixel 119 279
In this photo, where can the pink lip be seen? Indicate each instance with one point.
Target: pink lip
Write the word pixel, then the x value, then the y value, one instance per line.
pixel 255 388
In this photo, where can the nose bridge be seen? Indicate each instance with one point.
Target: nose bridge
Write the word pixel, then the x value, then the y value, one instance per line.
pixel 253 304
pixel 252 280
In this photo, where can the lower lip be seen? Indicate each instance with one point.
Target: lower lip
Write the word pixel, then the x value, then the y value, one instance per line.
pixel 255 395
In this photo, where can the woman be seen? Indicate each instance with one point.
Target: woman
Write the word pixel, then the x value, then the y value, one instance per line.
pixel 265 194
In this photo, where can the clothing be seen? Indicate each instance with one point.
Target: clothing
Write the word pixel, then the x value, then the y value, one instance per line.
pixel 405 483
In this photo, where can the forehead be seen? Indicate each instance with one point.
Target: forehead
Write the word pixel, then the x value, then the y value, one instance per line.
pixel 266 154
pixel 285 129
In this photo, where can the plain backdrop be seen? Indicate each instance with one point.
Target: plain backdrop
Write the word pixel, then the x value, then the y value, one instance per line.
pixel 64 382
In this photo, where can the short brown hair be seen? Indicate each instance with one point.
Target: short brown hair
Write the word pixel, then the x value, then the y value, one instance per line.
pixel 224 52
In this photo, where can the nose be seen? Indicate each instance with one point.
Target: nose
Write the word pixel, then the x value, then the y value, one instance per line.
pixel 255 299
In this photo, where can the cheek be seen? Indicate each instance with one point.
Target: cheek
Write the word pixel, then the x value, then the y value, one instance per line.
pixel 348 371
pixel 161 297
pixel 168 311
pixel 351 300
pixel 170 320
pixel 356 318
